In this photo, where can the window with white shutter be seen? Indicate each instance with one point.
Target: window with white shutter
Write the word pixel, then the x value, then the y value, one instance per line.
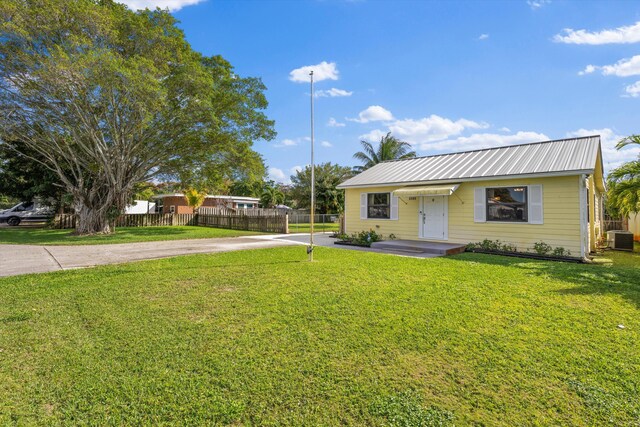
pixel 394 207
pixel 535 204
pixel 479 205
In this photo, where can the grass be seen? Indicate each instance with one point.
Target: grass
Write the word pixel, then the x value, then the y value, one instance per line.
pixel 264 338
pixel 45 236
pixel 317 227
pixel 620 258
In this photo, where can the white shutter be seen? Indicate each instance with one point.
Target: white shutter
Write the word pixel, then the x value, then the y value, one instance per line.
pixel 479 204
pixel 535 204
pixel 394 207
pixel 363 205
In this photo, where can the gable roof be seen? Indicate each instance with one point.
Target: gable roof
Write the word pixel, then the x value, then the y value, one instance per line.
pixel 558 157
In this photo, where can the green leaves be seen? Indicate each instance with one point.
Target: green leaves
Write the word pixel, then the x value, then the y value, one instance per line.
pixel 110 98
pixel 329 199
pixel 623 193
pixel 389 148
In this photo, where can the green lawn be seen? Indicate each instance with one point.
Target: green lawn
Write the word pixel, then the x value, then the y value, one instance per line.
pixel 317 227
pixel 45 236
pixel 264 338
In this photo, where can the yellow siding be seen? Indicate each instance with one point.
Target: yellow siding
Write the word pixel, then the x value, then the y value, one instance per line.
pixel 561 204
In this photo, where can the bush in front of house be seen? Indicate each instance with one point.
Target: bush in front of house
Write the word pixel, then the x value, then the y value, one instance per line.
pixel 362 238
pixel 539 248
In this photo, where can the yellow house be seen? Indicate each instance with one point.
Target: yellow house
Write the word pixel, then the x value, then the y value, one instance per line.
pixel 522 194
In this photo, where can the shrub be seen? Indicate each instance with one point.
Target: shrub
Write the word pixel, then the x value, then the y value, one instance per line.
pixel 560 251
pixel 542 248
pixel 366 238
pixel 508 247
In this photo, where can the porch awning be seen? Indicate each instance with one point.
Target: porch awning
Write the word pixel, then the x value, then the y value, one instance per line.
pixel 427 190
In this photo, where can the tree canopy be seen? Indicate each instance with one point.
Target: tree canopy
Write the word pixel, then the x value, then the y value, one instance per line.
pixel 106 98
pixel 623 183
pixel 389 148
pixel 328 176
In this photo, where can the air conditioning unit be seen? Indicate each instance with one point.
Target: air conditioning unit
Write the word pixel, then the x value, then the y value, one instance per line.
pixel 620 240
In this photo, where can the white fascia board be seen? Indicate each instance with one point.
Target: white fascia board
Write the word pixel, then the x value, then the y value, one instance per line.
pixel 474 179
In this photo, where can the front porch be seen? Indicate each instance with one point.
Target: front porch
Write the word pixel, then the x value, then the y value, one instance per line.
pixel 413 246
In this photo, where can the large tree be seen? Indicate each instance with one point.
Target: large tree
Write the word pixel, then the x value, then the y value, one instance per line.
pixel 108 98
pixel 24 179
pixel 389 148
pixel 623 195
pixel 328 198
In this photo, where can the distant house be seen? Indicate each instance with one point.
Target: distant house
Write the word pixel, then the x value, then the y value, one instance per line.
pixel 522 194
pixel 177 203
pixel 141 207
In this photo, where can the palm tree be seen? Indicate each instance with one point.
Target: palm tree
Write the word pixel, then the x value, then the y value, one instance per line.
pixel 624 182
pixel 271 196
pixel 389 148
pixel 195 198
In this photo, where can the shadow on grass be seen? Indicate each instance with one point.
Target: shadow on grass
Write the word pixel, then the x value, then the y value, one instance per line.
pixel 589 279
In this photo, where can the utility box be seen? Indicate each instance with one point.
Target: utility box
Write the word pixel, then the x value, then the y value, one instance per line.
pixel 620 240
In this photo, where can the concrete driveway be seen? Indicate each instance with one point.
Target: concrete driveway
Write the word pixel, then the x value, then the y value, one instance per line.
pixel 25 259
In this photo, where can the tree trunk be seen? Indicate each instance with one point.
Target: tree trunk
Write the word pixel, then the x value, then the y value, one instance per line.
pixel 98 208
pixel 92 221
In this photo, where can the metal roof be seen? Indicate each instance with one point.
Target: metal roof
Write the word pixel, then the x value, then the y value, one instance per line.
pixel 558 157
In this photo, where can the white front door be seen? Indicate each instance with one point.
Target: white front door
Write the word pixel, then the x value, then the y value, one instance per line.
pixel 433 216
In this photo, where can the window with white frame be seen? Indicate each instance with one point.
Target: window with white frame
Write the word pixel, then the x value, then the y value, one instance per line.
pixel 379 205
pixel 507 204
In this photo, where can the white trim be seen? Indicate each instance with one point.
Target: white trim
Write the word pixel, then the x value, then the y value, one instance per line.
pixel 463 180
pixel 582 190
pixel 482 193
pixel 394 207
pixel 541 221
pixel 344 214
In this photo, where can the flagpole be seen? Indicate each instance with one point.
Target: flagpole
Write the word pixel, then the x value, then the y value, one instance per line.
pixel 313 178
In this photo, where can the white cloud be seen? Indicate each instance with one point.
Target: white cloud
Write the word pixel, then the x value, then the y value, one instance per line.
pixel 333 92
pixel 287 143
pixel 295 169
pixel 478 141
pixel 626 34
pixel 322 71
pixel 431 128
pixel 588 70
pixel 505 129
pixel 537 4
pixel 633 90
pixel 483 36
pixel 277 175
pixel 172 5
pixel 326 144
pixel 611 157
pixel 373 136
pixel 623 68
pixel 333 123
pixel 374 113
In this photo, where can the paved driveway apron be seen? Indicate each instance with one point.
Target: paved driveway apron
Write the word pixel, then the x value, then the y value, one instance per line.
pixel 24 259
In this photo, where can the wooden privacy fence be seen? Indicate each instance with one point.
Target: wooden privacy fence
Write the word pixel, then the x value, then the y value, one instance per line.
pixel 246 221
pixel 223 218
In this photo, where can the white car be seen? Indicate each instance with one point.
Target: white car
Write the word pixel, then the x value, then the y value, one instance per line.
pixel 27 212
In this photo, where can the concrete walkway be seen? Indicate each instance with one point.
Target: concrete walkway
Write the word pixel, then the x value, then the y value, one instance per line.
pixel 25 259
pixel 324 239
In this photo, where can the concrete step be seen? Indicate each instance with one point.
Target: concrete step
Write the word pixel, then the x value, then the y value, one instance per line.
pixel 438 248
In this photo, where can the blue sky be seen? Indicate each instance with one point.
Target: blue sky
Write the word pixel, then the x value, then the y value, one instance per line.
pixel 444 76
